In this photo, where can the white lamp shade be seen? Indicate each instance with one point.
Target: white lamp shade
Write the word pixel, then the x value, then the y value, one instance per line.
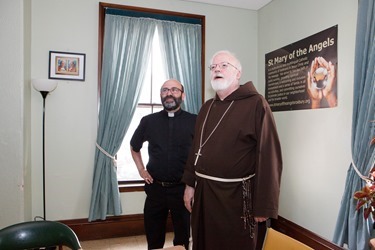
pixel 44 85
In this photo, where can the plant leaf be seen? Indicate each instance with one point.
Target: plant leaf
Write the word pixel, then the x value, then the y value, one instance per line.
pixel 360 194
pixel 367 212
pixel 360 204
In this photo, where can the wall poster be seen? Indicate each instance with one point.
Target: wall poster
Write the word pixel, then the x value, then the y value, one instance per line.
pixel 303 75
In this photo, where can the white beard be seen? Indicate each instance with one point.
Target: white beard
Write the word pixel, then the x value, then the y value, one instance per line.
pixel 222 84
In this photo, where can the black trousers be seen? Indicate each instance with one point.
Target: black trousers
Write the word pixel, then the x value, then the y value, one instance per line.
pixel 159 202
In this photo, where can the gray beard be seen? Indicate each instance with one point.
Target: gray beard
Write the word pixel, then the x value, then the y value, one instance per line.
pixel 169 106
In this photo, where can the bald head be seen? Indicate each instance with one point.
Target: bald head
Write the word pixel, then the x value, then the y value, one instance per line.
pixel 229 55
pixel 172 94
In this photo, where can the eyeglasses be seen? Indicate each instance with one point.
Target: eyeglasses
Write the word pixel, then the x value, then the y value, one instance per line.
pixel 173 90
pixel 222 65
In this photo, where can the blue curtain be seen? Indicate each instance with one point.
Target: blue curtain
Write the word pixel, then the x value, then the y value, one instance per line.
pixel 126 53
pixel 351 228
pixel 181 49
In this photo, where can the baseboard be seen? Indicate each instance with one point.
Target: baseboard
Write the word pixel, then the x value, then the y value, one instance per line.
pixel 303 235
pixel 131 225
pixel 112 227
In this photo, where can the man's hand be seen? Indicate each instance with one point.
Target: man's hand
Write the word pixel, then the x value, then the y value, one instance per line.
pixel 146 176
pixel 189 197
pixel 260 219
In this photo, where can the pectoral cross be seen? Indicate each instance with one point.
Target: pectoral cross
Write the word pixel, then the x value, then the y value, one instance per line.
pixel 198 154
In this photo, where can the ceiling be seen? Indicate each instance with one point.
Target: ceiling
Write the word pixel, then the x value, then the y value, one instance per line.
pixel 244 4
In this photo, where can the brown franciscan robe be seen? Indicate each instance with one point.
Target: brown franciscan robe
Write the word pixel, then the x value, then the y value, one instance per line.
pixel 244 143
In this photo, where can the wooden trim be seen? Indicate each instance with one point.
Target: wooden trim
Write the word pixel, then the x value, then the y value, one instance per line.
pixel 203 59
pixel 112 227
pixel 132 225
pixel 131 186
pixel 303 235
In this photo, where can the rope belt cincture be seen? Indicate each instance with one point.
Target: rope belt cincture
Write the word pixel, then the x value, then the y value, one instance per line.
pixel 213 178
pixel 247 216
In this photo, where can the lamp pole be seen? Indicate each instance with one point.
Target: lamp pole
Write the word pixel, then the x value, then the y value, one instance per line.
pixel 44 86
pixel 44 95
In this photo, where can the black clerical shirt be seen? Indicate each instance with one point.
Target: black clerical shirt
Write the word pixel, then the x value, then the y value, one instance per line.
pixel 169 140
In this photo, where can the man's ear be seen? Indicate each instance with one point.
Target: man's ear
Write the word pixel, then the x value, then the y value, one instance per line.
pixel 238 76
pixel 183 96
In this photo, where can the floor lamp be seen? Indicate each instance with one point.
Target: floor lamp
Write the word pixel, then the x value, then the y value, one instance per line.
pixel 44 86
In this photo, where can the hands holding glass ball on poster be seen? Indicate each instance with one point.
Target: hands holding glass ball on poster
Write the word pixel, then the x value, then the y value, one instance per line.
pixel 321 83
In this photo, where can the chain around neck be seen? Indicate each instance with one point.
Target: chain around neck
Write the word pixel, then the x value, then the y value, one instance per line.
pixel 201 143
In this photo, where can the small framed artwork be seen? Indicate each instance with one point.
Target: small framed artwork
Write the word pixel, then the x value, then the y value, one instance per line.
pixel 66 66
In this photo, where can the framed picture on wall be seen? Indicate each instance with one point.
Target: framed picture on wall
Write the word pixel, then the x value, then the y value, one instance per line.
pixel 66 66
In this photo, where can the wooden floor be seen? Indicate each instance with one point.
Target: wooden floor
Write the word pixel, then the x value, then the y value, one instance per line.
pixel 128 243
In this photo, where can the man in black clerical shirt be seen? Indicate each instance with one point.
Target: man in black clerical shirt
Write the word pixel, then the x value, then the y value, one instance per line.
pixel 169 134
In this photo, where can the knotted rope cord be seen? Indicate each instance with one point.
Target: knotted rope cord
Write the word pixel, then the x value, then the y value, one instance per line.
pixel 248 217
pixel 247 206
pixel 107 154
pixel 365 178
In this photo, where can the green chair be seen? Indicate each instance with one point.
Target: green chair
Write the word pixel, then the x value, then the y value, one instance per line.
pixel 38 234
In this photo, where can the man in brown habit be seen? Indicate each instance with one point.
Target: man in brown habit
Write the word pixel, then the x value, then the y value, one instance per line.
pixel 233 172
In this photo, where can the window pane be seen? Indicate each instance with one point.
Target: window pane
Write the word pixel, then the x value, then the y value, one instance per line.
pixel 151 103
pixel 126 169
pixel 146 88
pixel 158 76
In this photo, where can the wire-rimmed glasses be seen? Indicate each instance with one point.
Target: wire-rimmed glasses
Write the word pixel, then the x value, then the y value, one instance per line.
pixel 222 65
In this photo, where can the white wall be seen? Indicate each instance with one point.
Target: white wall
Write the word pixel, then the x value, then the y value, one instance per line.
pixel 12 112
pixel 71 110
pixel 315 163
pixel 315 143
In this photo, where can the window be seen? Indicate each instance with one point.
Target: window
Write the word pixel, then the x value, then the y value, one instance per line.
pixel 149 102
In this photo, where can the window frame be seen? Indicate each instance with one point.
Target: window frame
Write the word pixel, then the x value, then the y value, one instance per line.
pixel 132 186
